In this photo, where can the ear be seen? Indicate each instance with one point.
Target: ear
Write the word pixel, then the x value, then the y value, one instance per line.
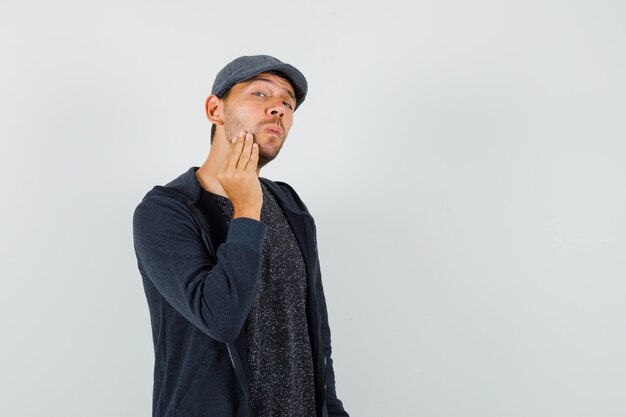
pixel 213 108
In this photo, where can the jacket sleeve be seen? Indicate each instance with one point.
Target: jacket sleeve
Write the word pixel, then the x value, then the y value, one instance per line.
pixel 333 404
pixel 216 297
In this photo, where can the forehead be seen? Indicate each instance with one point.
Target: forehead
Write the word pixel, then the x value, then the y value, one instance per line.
pixel 281 82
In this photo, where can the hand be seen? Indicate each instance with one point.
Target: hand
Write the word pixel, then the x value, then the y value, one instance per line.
pixel 239 178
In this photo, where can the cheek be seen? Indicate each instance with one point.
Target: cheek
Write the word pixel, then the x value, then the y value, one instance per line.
pixel 288 118
pixel 239 118
pixel 287 123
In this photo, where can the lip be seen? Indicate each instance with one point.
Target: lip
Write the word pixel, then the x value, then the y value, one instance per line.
pixel 274 130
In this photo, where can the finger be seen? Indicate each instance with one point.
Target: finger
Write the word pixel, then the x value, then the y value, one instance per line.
pixel 236 151
pixel 245 153
pixel 254 158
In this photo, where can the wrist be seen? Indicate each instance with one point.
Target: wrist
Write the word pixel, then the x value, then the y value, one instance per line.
pixel 250 213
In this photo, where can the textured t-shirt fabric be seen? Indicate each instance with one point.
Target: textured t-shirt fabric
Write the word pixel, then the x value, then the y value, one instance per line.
pixel 280 363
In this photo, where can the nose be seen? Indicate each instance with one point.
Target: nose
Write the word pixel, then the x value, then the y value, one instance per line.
pixel 276 108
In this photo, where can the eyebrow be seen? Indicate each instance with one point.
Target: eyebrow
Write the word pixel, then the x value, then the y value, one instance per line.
pixel 267 80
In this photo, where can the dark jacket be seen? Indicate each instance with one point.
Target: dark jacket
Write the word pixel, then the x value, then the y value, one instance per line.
pixel 200 277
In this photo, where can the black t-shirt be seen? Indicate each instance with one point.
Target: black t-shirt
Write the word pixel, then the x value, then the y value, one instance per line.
pixel 280 363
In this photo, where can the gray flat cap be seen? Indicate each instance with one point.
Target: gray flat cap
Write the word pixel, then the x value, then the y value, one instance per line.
pixel 246 67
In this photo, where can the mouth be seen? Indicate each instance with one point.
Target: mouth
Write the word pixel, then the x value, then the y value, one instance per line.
pixel 274 130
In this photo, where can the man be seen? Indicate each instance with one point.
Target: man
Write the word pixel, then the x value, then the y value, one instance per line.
pixel 230 266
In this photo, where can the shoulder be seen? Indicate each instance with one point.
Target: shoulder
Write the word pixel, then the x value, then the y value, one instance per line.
pixel 162 206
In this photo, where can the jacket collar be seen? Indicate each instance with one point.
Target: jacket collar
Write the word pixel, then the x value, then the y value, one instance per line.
pixel 188 184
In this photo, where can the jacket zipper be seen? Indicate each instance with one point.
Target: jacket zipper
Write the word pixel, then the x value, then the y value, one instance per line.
pixel 324 373
pixel 238 374
pixel 230 355
pixel 321 347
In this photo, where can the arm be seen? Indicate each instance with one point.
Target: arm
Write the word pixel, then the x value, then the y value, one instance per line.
pixel 214 297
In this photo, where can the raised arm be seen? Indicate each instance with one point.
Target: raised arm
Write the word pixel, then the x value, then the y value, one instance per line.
pixel 215 296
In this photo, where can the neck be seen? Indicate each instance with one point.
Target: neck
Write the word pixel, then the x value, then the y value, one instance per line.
pixel 217 158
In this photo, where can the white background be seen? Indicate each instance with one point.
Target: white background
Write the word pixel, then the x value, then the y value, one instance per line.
pixel 464 162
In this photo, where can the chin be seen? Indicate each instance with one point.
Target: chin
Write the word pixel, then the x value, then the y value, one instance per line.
pixel 269 142
pixel 269 135
pixel 265 156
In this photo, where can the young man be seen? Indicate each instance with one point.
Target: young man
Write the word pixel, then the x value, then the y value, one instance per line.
pixel 230 266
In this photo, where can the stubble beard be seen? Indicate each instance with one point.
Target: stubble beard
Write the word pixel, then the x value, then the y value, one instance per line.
pixel 233 125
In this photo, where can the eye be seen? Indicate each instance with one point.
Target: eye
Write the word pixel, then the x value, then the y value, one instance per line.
pixel 258 92
pixel 288 105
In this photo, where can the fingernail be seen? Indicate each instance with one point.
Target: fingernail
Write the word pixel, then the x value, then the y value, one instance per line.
pixel 234 139
pixel 248 136
pixel 242 133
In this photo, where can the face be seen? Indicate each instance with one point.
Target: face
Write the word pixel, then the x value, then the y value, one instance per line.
pixel 263 106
